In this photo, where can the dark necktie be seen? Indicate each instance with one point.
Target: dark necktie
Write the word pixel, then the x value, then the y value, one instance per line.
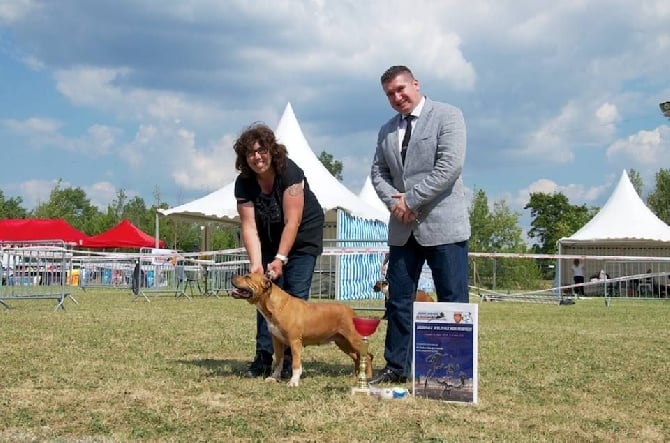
pixel 405 139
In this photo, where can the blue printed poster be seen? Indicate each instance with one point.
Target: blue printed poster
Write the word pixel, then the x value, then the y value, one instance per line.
pixel 445 351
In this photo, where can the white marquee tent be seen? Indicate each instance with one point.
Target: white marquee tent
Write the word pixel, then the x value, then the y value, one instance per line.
pixel 369 195
pixel 221 206
pixel 624 226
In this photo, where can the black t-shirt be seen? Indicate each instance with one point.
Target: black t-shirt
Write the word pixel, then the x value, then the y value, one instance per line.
pixel 270 212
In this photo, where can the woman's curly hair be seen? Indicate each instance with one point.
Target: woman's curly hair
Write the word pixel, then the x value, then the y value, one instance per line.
pixel 261 133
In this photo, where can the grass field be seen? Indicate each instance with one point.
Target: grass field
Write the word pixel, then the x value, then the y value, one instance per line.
pixel 109 369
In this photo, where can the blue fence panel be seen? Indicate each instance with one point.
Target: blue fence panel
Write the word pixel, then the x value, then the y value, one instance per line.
pixel 359 272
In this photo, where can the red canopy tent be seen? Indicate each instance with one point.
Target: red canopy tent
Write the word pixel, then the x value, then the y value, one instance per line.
pixel 35 229
pixel 123 235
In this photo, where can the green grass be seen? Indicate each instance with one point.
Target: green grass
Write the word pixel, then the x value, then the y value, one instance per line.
pixel 110 369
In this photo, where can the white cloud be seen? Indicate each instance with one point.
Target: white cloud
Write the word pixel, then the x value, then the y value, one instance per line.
pixel 607 113
pixel 33 125
pixel 46 134
pixel 577 126
pixel 174 152
pixel 34 192
pixel 576 193
pixel 644 148
pixel 204 169
pixel 100 194
pixel 13 10
pixel 99 88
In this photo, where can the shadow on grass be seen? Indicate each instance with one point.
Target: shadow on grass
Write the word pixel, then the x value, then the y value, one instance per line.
pixel 231 367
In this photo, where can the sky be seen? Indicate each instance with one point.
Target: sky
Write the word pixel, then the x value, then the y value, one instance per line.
pixel 149 96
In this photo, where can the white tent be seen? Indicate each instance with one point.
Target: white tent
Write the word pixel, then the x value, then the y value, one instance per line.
pixel 369 196
pixel 624 226
pixel 623 218
pixel 221 206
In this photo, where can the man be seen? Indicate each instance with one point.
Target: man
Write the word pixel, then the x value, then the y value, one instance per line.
pixel 417 171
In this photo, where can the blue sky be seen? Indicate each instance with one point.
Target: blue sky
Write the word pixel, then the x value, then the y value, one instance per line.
pixel 147 95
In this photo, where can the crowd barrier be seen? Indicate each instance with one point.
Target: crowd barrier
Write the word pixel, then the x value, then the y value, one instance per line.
pixel 33 270
pixel 107 271
pixel 343 273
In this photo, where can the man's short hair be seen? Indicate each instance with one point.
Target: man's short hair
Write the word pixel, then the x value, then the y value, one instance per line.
pixel 394 71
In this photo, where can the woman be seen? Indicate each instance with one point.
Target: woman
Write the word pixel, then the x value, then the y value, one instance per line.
pixel 282 226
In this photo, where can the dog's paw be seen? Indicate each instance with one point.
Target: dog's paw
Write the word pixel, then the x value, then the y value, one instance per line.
pixel 293 383
pixel 271 379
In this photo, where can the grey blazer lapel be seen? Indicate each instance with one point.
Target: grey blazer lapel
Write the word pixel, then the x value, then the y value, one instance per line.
pixel 393 141
pixel 421 129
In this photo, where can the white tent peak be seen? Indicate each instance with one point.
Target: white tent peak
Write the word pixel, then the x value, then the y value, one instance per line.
pixel 329 191
pixel 623 217
pixel 220 205
pixel 369 195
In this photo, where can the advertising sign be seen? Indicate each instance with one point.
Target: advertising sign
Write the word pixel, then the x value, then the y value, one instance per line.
pixel 445 351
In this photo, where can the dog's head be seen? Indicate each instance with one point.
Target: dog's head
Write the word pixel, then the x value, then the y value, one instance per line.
pixel 381 286
pixel 250 287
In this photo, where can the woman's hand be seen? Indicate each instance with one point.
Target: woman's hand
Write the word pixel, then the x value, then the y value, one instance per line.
pixel 256 269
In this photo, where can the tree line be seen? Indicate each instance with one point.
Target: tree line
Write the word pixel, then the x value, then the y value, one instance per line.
pixel 495 228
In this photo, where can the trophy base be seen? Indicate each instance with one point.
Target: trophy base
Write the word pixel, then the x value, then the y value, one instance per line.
pixel 360 391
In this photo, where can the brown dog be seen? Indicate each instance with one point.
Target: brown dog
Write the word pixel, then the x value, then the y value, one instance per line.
pixel 383 287
pixel 297 323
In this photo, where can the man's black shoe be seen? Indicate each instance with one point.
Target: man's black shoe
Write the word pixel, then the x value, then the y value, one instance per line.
pixel 261 366
pixel 387 376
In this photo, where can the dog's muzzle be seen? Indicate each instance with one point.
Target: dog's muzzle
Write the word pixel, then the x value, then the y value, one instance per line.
pixel 241 293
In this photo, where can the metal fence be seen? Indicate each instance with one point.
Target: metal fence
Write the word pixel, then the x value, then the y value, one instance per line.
pixel 346 272
pixel 533 277
pixel 33 270
pixel 103 271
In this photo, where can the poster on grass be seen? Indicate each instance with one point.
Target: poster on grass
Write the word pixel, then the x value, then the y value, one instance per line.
pixel 444 362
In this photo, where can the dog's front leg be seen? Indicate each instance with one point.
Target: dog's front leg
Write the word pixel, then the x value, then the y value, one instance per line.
pixel 296 351
pixel 277 360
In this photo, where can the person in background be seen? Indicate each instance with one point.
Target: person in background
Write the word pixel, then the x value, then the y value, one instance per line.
pixel 578 276
pixel 417 172
pixel 281 226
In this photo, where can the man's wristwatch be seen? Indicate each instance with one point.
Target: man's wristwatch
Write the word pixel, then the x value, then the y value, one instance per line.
pixel 282 258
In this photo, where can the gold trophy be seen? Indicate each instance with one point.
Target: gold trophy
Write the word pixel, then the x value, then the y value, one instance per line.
pixel 366 326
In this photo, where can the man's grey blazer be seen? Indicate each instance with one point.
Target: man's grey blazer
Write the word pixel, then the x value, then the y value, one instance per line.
pixel 431 178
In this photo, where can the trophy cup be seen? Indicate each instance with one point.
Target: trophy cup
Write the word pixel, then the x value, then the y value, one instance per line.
pixel 366 326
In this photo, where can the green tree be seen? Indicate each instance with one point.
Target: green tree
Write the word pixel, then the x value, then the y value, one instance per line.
pixel 480 226
pixel 135 210
pixel 636 180
pixel 11 208
pixel 553 217
pixel 498 230
pixel 658 200
pixel 72 205
pixel 333 166
pixel 118 204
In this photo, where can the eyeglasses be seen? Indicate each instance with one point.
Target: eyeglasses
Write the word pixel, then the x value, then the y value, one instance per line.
pixel 260 150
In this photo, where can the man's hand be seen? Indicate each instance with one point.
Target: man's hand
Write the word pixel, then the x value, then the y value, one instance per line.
pixel 401 211
pixel 275 269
